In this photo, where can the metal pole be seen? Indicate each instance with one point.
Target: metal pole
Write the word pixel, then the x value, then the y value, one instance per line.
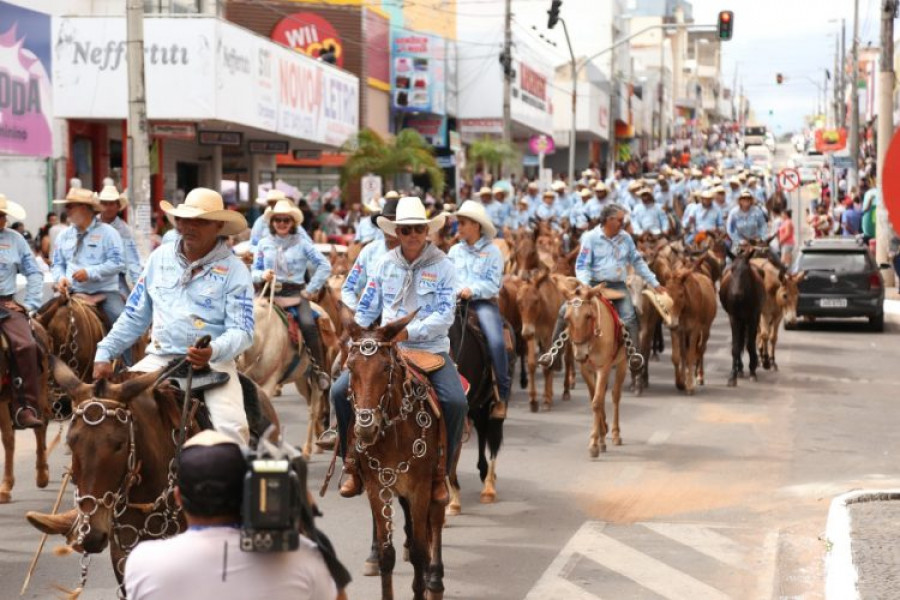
pixel 572 132
pixel 507 84
pixel 837 84
pixel 613 103
pixel 843 72
pixel 853 174
pixel 139 155
pixel 660 88
pixel 883 229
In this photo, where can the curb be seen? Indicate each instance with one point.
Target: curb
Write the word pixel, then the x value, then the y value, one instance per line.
pixel 892 310
pixel 841 575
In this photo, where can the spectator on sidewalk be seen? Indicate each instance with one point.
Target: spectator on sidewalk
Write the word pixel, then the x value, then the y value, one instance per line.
pixel 787 239
pixel 851 220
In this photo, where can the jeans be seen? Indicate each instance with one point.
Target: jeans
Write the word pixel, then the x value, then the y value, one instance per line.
pixel 113 307
pixel 624 307
pixel 449 392
pixel 492 326
pixel 303 314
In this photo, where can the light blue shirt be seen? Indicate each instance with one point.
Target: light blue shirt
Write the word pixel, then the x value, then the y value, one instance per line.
pixel 546 212
pixel 663 198
pixel 696 218
pixel 366 231
pixel 497 213
pixel 217 301
pixel 478 267
pixel 170 236
pixel 289 257
pixel 133 265
pixel 366 263
pixel 746 225
pixel 649 218
pixel 578 214
pixel 519 219
pixel 607 259
pixel 16 257
pixel 99 253
pixel 434 287
pixel 533 202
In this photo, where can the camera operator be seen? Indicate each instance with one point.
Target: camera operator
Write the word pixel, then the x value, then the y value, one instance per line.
pixel 206 562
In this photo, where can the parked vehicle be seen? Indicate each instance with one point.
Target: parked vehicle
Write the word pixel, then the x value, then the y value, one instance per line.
pixel 754 135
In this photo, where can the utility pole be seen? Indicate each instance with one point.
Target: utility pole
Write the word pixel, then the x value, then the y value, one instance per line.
pixel 853 174
pixel 883 229
pixel 843 72
pixel 613 104
pixel 837 85
pixel 138 139
pixel 572 132
pixel 507 74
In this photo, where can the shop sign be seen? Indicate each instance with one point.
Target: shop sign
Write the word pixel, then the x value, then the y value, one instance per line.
pixel 417 72
pixel 310 34
pixel 26 105
pixel 432 128
pixel 268 147
pixel 173 131
pixel 219 138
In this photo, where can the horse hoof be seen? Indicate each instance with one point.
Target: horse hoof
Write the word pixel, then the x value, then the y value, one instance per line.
pixel 5 497
pixel 732 382
pixel 547 406
pixel 690 392
pixel 370 568
pixel 595 451
pixel 631 388
pixel 487 497
pixel 43 477
pixel 741 374
pixel 533 405
pixel 566 396
pixel 452 510
pixel 753 377
pixel 679 385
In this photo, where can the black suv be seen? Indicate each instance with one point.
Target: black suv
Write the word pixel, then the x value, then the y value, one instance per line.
pixel 842 280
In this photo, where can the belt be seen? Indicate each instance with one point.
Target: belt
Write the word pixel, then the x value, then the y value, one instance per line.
pixel 7 297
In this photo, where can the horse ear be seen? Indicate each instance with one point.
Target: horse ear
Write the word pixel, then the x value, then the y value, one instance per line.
pixel 69 381
pixel 798 277
pixel 133 387
pixel 349 324
pixel 542 276
pixel 567 286
pixel 391 330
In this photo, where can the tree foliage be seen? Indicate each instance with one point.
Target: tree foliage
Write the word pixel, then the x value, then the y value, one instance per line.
pixel 492 155
pixel 407 152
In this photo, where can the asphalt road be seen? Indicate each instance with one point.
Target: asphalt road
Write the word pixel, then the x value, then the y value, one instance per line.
pixel 720 495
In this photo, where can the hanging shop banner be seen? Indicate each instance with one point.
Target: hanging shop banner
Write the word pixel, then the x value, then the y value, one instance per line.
pixel 432 127
pixel 831 140
pixel 310 34
pixel 418 72
pixel 26 106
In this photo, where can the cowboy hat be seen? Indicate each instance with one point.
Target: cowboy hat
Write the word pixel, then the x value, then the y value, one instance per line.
pixel 707 194
pixel 644 190
pixel 411 211
pixel 696 173
pixel 718 190
pixel 587 173
pixel 11 208
pixel 284 207
pixel 392 195
pixel 586 193
pixel 662 302
pixel 485 191
pixel 110 193
pixel 473 210
pixel 601 187
pixel 373 205
pixel 745 194
pixel 549 194
pixel 388 211
pixel 734 181
pixel 532 185
pixel 272 195
pixel 635 185
pixel 80 196
pixel 204 203
pixel 558 185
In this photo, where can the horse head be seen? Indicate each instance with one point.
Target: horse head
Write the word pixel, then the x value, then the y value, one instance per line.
pixel 529 301
pixel 676 286
pixel 372 361
pixel 583 314
pixel 102 440
pixel 787 295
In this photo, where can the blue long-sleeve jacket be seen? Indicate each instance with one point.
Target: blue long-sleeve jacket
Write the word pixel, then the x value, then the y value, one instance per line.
pixel 366 231
pixel 746 225
pixel 16 257
pixel 478 267
pixel 99 253
pixel 132 258
pixel 434 288
pixel 697 218
pixel 366 263
pixel 649 218
pixel 607 259
pixel 289 257
pixel 260 231
pixel 218 301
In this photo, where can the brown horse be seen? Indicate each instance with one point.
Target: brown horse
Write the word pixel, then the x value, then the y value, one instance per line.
pixel 742 295
pixel 691 316
pixel 598 341
pixel 7 433
pixel 398 442
pixel 780 304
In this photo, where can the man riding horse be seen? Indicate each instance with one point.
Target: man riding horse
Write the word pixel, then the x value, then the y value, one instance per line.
pixel 416 277
pixel 479 268
pixel 16 257
pixel 189 289
pixel 111 204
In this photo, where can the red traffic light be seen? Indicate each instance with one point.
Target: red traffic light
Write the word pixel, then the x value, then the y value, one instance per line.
pixel 726 17
pixel 725 25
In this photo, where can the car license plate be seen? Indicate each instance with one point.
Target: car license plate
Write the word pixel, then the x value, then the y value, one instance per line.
pixel 833 303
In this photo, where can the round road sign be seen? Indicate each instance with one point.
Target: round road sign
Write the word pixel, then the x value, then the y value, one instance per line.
pixel 789 179
pixel 890 182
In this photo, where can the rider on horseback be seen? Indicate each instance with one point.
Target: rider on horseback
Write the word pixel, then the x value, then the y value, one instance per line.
pixel 702 216
pixel 111 204
pixel 747 227
pixel 284 256
pixel 479 268
pixel 367 261
pixel 15 257
pixel 417 276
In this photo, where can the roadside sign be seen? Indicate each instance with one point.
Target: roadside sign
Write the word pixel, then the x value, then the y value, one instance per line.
pixel 371 189
pixel 842 160
pixel 890 182
pixel 789 179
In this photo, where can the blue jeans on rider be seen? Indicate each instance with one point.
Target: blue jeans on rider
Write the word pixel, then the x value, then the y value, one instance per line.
pixel 492 326
pixel 624 307
pixel 113 307
pixel 449 392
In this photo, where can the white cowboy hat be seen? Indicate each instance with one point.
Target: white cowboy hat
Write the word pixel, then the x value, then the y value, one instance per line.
pixel 471 209
pixel 558 185
pixel 549 194
pixel 284 207
pixel 272 195
pixel 374 205
pixel 110 193
pixel 204 203
pixel 80 196
pixel 485 191
pixel 392 195
pixel 532 185
pixel 499 189
pixel 11 208
pixel 663 304
pixel 587 193
pixel 601 187
pixel 718 190
pixel 411 211
pixel 745 194
pixel 708 194
pixel 734 181
pixel 635 185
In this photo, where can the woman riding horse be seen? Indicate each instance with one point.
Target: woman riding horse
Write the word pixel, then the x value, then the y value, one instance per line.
pixel 479 270
pixel 284 257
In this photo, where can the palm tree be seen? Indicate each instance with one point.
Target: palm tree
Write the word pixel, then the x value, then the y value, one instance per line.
pixel 406 152
pixel 492 155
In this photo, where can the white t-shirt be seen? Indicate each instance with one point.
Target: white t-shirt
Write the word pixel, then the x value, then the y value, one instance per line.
pixel 208 564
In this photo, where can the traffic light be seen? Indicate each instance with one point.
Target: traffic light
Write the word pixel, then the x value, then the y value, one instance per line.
pixel 554 14
pixel 779 78
pixel 726 25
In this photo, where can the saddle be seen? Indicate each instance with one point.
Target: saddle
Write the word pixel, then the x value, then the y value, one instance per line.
pixel 94 301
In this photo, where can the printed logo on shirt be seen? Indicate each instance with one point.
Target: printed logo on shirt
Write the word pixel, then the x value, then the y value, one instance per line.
pixel 5 246
pixel 96 237
pixel 220 270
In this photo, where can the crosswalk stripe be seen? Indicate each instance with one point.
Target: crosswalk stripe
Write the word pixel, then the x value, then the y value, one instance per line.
pixel 704 540
pixel 558 588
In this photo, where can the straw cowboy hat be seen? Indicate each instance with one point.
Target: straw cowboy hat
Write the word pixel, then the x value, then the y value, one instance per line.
pixel 110 193
pixel 284 207
pixel 411 211
pixel 644 190
pixel 587 193
pixel 272 195
pixel 734 181
pixel 662 302
pixel 12 209
pixel 80 196
pixel 392 195
pixel 485 191
pixel 549 194
pixel 204 203
pixel 635 185
pixel 532 185
pixel 745 194
pixel 708 194
pixel 373 205
pixel 475 211
pixel 601 187
pixel 558 185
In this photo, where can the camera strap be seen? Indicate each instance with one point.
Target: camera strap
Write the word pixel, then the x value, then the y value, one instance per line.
pixel 330 473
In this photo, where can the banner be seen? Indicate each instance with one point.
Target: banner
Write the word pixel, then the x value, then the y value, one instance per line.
pixel 310 34
pixel 831 140
pixel 432 127
pixel 26 105
pixel 418 71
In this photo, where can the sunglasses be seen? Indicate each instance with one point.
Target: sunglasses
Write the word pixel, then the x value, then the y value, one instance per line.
pixel 282 220
pixel 408 229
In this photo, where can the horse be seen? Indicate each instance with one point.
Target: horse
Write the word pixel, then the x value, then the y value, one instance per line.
pixel 691 316
pixel 473 359
pixel 781 294
pixel 539 301
pixel 597 337
pixel 398 441
pixel 7 433
pixel 509 310
pixel 742 295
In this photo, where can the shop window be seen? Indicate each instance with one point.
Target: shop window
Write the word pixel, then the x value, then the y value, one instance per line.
pixel 115 154
pixel 174 6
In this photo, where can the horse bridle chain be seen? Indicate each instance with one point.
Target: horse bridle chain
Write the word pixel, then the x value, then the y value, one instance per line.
pixel 413 393
pixel 163 511
pixel 72 347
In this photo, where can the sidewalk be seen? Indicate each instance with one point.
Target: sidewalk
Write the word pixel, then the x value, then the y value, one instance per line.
pixel 863 559
pixel 892 305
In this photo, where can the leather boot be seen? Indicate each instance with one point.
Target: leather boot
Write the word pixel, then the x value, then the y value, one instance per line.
pixel 58 524
pixel 352 485
pixel 498 410
pixel 327 439
pixel 26 417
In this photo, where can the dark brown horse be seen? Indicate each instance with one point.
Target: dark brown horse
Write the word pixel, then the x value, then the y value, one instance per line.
pixel 742 295
pixel 398 441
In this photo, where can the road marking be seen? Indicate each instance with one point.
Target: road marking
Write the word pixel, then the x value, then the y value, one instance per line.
pixel 704 540
pixel 659 437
